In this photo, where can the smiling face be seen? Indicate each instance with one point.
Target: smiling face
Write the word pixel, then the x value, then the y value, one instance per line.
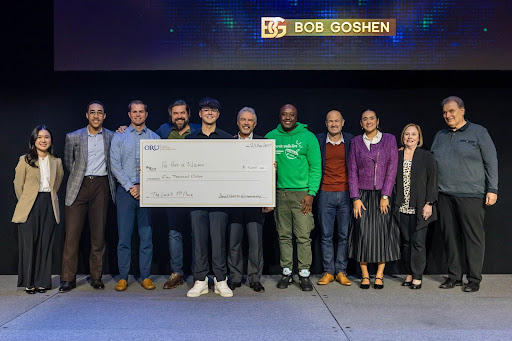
pixel 334 122
pixel 411 137
pixel 179 117
pixel 209 115
pixel 95 115
pixel 43 141
pixel 138 115
pixel 246 123
pixel 288 117
pixel 453 115
pixel 369 121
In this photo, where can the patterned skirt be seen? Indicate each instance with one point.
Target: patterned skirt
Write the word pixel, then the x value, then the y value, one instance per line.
pixel 375 237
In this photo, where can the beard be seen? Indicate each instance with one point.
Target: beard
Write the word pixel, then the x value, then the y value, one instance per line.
pixel 180 125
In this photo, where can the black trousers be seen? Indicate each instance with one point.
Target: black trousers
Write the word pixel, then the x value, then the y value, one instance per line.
pixel 462 221
pixel 207 224
pixel 255 255
pixel 414 253
pixel 35 239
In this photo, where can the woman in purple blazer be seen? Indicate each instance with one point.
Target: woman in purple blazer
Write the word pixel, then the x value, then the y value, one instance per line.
pixel 372 171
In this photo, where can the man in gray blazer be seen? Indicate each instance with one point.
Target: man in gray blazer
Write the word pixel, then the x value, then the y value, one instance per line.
pixel 90 182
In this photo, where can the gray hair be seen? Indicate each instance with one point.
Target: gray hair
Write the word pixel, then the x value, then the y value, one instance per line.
pixel 458 100
pixel 248 109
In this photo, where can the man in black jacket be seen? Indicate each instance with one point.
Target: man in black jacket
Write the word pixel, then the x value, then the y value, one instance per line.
pixel 251 218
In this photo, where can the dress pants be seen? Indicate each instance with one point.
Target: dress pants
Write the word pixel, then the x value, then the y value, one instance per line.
pixel 414 253
pixel 255 256
pixel 462 219
pixel 289 222
pixel 209 224
pixel 92 201
pixel 128 209
pixel 331 206
pixel 35 239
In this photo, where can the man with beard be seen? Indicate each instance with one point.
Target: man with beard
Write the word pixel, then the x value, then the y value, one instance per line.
pixel 178 127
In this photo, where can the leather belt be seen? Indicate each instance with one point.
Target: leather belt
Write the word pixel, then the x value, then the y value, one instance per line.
pixel 92 177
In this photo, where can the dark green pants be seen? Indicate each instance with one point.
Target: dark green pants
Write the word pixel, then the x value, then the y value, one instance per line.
pixel 289 222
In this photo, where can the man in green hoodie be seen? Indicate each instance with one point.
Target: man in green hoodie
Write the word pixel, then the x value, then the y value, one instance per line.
pixel 299 170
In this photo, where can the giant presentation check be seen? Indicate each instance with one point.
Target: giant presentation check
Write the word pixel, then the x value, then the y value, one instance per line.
pixel 207 173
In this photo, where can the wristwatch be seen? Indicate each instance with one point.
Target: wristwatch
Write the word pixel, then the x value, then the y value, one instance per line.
pixel 355 199
pixel 430 203
pixel 385 197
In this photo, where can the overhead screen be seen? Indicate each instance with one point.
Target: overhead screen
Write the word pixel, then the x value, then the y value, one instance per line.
pixel 282 35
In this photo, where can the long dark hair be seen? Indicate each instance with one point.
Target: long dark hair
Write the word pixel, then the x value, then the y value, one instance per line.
pixel 31 157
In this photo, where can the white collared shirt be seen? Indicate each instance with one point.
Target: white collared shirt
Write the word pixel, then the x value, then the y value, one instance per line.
pixel 375 140
pixel 44 169
pixel 247 138
pixel 328 140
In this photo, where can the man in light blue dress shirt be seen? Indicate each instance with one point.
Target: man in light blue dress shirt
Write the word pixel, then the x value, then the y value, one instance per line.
pixel 125 159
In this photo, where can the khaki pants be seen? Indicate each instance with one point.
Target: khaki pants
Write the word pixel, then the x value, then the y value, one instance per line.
pixel 289 222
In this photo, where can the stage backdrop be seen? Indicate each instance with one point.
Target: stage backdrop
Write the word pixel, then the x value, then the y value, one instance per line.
pixel 33 93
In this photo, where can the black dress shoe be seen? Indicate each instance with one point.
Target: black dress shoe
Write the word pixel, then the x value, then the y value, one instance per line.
pixel 256 286
pixel 365 286
pixel 285 281
pixel 234 285
pixel 30 291
pixel 378 286
pixel 41 290
pixel 97 284
pixel 406 284
pixel 66 286
pixel 451 283
pixel 305 283
pixel 416 286
pixel 472 287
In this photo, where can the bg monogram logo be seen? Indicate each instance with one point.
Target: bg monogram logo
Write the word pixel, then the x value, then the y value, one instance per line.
pixel 273 27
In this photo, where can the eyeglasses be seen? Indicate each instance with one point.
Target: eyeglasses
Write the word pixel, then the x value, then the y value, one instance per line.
pixel 212 110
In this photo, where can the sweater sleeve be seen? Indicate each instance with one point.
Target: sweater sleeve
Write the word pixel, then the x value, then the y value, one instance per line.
pixel 490 158
pixel 315 165
pixel 391 167
pixel 353 182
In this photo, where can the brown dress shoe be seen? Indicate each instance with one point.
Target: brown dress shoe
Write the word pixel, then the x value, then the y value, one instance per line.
pixel 326 279
pixel 148 284
pixel 343 279
pixel 121 285
pixel 173 282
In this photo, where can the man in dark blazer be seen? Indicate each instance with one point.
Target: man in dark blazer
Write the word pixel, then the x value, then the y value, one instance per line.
pixel 90 183
pixel 250 218
pixel 334 199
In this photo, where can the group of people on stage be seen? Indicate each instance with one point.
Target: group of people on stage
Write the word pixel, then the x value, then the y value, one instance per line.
pixel 380 196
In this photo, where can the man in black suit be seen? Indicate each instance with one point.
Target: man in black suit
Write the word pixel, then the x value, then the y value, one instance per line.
pixel 334 199
pixel 251 218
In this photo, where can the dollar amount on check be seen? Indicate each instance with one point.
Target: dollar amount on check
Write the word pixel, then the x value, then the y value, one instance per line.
pixel 207 173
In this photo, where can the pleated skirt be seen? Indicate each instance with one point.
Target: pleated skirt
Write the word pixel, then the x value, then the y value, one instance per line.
pixel 375 237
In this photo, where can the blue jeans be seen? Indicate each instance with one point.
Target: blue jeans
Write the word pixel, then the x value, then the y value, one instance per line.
pixel 127 210
pixel 331 206
pixel 177 218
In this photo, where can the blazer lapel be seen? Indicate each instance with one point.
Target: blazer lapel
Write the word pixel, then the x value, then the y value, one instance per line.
pixel 84 146
pixel 38 172
pixel 53 170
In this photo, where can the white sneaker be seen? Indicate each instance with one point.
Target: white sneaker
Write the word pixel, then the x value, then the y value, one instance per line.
pixel 221 288
pixel 199 288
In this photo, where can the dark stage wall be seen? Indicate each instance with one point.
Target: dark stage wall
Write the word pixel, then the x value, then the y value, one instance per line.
pixel 32 93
